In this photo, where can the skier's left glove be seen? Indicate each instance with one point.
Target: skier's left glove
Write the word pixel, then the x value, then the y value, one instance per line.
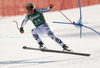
pixel 21 30
pixel 51 6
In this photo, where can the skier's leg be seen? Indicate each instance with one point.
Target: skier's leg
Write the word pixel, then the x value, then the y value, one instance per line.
pixel 50 34
pixel 47 30
pixel 37 38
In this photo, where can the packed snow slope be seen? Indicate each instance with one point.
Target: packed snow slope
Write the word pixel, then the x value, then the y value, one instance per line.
pixel 11 41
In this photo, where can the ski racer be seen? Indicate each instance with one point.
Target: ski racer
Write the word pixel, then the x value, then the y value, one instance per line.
pixel 37 18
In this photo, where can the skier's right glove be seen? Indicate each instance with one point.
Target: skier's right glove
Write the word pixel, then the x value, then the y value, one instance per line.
pixel 21 30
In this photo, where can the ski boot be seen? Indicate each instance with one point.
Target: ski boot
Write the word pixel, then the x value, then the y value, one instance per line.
pixel 66 48
pixel 41 46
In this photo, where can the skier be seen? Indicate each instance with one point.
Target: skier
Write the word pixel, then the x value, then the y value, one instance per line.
pixel 35 15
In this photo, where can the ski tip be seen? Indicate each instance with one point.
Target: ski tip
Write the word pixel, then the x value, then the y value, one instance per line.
pixel 24 47
pixel 89 54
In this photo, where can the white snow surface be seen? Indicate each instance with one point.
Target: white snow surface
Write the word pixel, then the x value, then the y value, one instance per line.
pixel 11 41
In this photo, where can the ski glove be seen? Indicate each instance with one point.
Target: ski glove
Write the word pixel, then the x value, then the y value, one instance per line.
pixel 21 30
pixel 51 6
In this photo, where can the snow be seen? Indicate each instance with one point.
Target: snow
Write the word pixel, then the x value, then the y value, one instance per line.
pixel 11 41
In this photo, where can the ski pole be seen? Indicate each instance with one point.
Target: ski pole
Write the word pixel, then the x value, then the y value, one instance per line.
pixel 65 16
pixel 16 24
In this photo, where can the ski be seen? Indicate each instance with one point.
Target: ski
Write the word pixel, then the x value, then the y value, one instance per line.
pixel 56 51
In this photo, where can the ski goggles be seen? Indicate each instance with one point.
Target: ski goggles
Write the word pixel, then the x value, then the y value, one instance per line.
pixel 30 10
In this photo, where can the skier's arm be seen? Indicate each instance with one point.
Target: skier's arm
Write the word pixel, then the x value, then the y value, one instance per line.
pixel 42 10
pixel 24 21
pixel 23 24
